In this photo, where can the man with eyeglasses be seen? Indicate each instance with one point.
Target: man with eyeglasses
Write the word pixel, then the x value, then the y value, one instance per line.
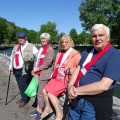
pixel 24 51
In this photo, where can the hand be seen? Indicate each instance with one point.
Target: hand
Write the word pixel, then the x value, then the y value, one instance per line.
pixel 32 73
pixel 36 69
pixel 67 71
pixel 72 92
pixel 10 70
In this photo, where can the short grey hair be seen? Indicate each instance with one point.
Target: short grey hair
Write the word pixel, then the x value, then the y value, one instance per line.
pixel 97 26
pixel 45 34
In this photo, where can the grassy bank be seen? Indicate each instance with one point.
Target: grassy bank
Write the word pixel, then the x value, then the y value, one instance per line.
pixel 117 91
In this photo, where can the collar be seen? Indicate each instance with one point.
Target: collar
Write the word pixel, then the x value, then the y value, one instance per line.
pixel 24 44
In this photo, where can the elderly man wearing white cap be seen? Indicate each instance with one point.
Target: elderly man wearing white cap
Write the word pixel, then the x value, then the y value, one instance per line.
pixel 21 53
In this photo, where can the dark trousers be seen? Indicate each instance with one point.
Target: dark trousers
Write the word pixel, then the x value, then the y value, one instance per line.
pixel 23 82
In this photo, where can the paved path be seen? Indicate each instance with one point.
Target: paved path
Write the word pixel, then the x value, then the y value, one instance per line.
pixel 11 110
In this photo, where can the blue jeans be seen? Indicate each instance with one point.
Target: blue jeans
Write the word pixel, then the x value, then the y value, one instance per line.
pixel 84 111
pixel 23 82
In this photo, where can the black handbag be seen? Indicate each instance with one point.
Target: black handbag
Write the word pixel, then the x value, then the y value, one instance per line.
pixel 28 65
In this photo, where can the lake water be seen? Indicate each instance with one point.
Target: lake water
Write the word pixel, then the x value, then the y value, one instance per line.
pixel 9 50
pixel 117 88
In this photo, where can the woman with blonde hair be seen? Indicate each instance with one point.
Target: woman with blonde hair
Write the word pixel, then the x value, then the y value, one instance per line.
pixel 66 62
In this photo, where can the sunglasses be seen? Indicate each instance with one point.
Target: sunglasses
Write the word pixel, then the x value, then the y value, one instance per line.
pixel 21 38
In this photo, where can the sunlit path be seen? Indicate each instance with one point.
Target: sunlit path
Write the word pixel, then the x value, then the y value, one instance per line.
pixel 11 110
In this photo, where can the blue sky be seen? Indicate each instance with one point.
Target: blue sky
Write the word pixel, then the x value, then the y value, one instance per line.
pixel 32 14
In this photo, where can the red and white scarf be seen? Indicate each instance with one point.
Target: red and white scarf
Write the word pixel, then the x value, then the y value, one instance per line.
pixel 18 62
pixel 88 63
pixel 41 56
pixel 17 55
pixel 61 60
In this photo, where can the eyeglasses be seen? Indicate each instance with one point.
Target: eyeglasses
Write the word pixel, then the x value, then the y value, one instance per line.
pixel 43 38
pixel 21 38
pixel 65 42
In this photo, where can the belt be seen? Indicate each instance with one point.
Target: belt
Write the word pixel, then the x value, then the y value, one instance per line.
pixel 18 69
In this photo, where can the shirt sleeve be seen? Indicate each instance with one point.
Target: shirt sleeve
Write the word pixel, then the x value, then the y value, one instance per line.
pixel 112 68
pixel 10 65
pixel 35 52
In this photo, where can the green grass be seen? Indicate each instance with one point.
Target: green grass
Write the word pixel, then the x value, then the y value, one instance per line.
pixel 117 91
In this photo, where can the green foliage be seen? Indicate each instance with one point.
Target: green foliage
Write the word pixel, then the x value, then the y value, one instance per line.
pixel 101 11
pixel 42 30
pixel 117 90
pixel 8 33
pixel 31 36
pixel 49 28
pixel 3 26
pixel 85 38
pixel 74 35
pixel 7 41
pixel 60 35
pixel 93 11
pixel 11 31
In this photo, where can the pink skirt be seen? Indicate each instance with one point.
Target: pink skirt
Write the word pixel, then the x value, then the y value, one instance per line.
pixel 56 86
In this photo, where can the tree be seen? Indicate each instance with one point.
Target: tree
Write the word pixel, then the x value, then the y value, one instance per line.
pixel 31 36
pixel 101 11
pixel 11 32
pixel 49 28
pixel 84 38
pixel 93 11
pixel 42 30
pixel 115 22
pixel 3 26
pixel 8 32
pixel 74 35
pixel 60 35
